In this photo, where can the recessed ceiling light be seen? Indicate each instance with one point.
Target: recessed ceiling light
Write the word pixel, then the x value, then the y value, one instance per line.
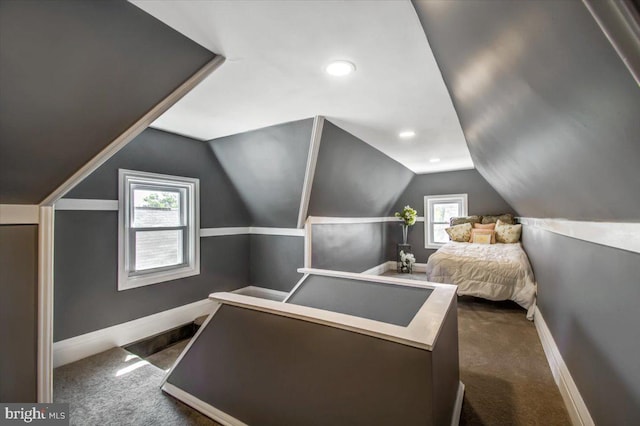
pixel 407 134
pixel 340 68
pixel 434 160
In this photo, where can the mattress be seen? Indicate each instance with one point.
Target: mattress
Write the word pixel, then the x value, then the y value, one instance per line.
pixel 490 271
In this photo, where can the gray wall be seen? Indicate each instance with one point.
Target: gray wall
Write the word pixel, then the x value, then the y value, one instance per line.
pixel 555 127
pixel 289 372
pixel 18 315
pixel 482 199
pixel 73 76
pixel 267 167
pixel 353 179
pixel 274 260
pixel 168 153
pixel 348 247
pixel 86 243
pixel 86 268
pixel 555 131
pixel 588 295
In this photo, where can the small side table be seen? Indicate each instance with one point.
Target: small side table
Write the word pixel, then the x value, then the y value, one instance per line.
pixel 406 248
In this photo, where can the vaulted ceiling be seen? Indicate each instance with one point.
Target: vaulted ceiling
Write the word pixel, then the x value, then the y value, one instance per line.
pixel 276 53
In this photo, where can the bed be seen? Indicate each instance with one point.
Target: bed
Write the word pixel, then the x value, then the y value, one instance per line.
pixel 490 271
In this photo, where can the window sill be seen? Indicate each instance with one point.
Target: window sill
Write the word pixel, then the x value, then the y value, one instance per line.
pixel 128 283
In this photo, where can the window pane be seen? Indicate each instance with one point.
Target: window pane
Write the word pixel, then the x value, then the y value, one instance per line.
pixel 156 208
pixel 439 233
pixel 442 212
pixel 155 249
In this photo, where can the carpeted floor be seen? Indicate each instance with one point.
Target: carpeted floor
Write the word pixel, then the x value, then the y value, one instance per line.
pixel 118 388
pixel 502 364
pixel 508 380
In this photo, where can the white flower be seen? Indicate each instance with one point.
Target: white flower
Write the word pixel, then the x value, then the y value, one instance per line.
pixel 407 259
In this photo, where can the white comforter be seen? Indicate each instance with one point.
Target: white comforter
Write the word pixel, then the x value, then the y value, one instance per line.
pixel 490 271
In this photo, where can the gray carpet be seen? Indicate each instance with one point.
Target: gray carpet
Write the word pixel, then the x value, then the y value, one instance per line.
pixel 502 364
pixel 507 378
pixel 165 358
pixel 100 391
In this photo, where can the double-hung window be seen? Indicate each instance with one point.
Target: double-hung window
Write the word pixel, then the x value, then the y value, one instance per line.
pixel 158 228
pixel 438 210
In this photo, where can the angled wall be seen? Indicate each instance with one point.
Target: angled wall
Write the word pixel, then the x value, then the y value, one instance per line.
pixel 548 108
pixel 18 315
pixel 74 75
pixel 86 243
pixel 267 167
pixel 550 114
pixel 353 179
pixel 482 199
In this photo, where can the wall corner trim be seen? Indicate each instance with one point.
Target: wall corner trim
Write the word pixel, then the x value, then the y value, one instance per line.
pixel 620 235
pixel 312 159
pixel 75 348
pixel 251 230
pixel 576 406
pixel 45 306
pixel 129 134
pixel 86 204
pixel 201 406
pixel 19 214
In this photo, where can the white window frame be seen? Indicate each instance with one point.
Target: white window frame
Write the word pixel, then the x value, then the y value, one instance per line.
pixel 128 279
pixel 429 202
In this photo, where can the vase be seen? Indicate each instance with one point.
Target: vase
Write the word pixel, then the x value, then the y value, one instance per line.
pixel 405 232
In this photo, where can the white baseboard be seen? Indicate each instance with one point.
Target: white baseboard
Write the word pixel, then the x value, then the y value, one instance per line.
pixel 457 407
pixel 79 347
pixel 263 292
pixel 201 406
pixel 379 270
pixel 578 412
pixel 390 266
pixel 227 420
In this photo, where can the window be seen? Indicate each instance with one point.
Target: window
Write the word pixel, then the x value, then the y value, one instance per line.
pixel 438 210
pixel 158 225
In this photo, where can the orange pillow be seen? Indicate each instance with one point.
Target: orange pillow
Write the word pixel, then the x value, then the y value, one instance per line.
pixel 476 231
pixel 491 226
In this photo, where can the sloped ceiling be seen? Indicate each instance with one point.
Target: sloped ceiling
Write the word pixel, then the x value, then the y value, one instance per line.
pixel 549 111
pixel 352 179
pixel 276 53
pixel 267 167
pixel 74 75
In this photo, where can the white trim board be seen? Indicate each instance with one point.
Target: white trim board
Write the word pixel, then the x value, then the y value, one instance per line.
pixel 138 127
pixel 620 235
pixel 251 230
pixel 578 412
pixel 86 204
pixel 262 292
pixel 19 214
pixel 320 220
pixel 201 406
pixel 391 265
pixel 76 348
pixel 220 232
pixel 310 171
pixel 45 305
pixel 457 407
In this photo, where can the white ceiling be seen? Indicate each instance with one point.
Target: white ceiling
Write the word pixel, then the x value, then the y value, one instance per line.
pixel 276 53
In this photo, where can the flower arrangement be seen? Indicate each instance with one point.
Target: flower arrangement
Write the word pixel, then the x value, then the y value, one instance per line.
pixel 407 260
pixel 407 215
